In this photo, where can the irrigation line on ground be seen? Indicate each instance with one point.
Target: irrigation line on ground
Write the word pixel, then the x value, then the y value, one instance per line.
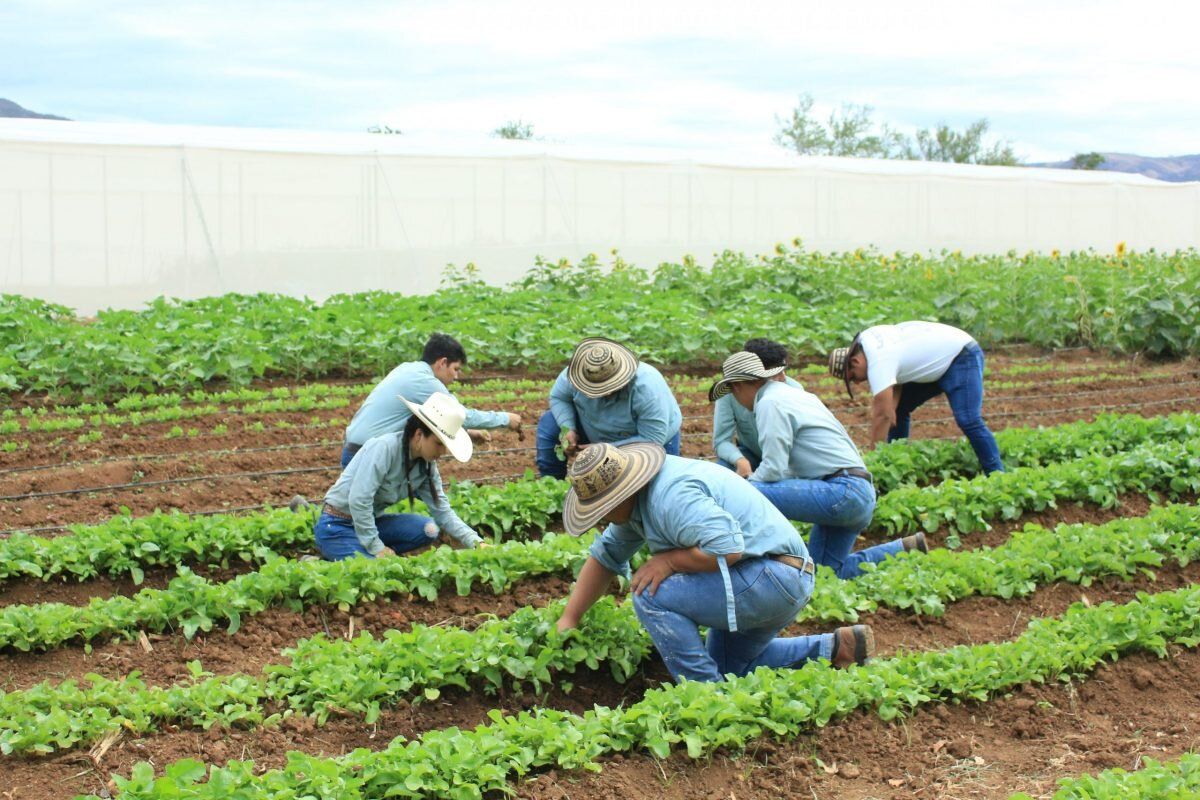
pixel 488 479
pixel 234 407
pixel 501 451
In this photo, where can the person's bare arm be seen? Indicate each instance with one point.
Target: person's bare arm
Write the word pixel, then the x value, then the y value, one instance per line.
pixel 883 414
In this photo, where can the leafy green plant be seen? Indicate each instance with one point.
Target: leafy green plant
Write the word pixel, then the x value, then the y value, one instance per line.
pixel 698 716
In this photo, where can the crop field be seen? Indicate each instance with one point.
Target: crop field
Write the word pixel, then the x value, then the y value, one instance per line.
pixel 162 636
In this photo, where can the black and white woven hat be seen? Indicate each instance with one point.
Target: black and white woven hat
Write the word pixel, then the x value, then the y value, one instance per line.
pixel 741 366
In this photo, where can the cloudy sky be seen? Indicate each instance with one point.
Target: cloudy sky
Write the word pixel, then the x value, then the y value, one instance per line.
pixel 1054 78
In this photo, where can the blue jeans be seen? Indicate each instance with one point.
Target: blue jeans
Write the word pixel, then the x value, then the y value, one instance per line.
pixel 336 538
pixel 753 459
pixel 548 462
pixel 767 596
pixel 963 386
pixel 348 451
pixel 839 509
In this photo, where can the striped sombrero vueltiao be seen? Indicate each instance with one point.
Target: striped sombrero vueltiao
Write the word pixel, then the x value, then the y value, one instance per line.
pixel 741 366
pixel 603 476
pixel 601 366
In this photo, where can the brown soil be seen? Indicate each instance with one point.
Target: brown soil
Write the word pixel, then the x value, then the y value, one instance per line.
pixel 1135 708
pixel 262 637
pixel 860 739
pixel 318 467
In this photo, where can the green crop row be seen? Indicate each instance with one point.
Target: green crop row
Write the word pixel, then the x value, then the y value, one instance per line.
pixel 966 505
pixel 191 603
pixel 676 314
pixel 325 676
pixel 1035 556
pixel 1156 780
pixel 362 675
pixel 700 716
pixel 125 545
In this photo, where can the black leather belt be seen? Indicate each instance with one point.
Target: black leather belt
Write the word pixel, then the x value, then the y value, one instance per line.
pixel 805 565
pixel 852 472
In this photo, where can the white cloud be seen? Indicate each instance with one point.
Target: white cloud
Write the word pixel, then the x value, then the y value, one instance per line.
pixel 1053 77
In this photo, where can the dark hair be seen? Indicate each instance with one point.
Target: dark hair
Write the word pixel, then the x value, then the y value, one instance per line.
pixel 773 354
pixel 443 345
pixel 413 425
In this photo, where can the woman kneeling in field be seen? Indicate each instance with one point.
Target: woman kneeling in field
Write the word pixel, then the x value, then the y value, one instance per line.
pixel 390 467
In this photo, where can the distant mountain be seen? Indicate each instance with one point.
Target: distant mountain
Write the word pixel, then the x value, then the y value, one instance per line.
pixel 10 109
pixel 1170 168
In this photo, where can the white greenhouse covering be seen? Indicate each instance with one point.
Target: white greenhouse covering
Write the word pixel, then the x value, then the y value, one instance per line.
pixel 101 214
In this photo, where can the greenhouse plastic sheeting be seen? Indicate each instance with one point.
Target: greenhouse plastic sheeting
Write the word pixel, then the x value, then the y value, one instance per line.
pixel 97 215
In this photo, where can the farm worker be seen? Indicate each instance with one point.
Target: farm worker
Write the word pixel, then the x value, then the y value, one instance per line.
pixel 383 412
pixel 388 468
pixel 606 395
pixel 711 537
pixel 735 434
pixel 907 364
pixel 810 469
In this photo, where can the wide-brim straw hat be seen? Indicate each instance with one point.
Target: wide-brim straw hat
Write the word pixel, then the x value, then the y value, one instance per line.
pixel 741 366
pixel 445 416
pixel 601 366
pixel 605 475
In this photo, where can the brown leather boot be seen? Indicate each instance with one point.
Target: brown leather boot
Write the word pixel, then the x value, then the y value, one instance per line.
pixel 853 644
pixel 915 542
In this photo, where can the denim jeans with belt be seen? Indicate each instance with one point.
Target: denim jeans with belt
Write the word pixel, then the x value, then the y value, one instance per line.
pixel 963 385
pixel 548 462
pixel 839 509
pixel 337 539
pixel 767 595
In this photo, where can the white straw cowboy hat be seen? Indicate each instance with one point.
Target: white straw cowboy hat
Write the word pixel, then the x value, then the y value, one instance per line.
pixel 445 417
pixel 603 476
pixel 601 366
pixel 741 366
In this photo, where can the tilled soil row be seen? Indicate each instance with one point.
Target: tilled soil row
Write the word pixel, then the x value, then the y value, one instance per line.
pixel 1139 707
pixel 966 622
pixel 47 447
pixel 215 493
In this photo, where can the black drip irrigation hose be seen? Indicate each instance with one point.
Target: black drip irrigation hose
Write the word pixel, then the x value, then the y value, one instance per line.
pixel 501 451
pixel 489 479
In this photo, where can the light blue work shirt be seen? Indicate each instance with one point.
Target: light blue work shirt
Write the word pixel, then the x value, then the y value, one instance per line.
pixel 799 436
pixel 692 503
pixel 730 419
pixel 384 412
pixel 375 479
pixel 642 410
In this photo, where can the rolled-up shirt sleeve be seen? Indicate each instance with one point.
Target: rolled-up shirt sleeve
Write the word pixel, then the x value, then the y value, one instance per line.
pixel 371 465
pixel 439 507
pixel 775 437
pixel 614 547
pixel 724 427
pixel 699 521
pixel 485 420
pixel 562 402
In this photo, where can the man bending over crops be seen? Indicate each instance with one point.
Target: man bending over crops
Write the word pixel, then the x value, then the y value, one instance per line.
pixel 810 469
pixel 907 364
pixel 711 538
pixel 735 434
pixel 605 395
pixel 389 468
pixel 384 412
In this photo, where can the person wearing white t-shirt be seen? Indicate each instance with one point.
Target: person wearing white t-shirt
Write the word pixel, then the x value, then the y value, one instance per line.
pixel 910 362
